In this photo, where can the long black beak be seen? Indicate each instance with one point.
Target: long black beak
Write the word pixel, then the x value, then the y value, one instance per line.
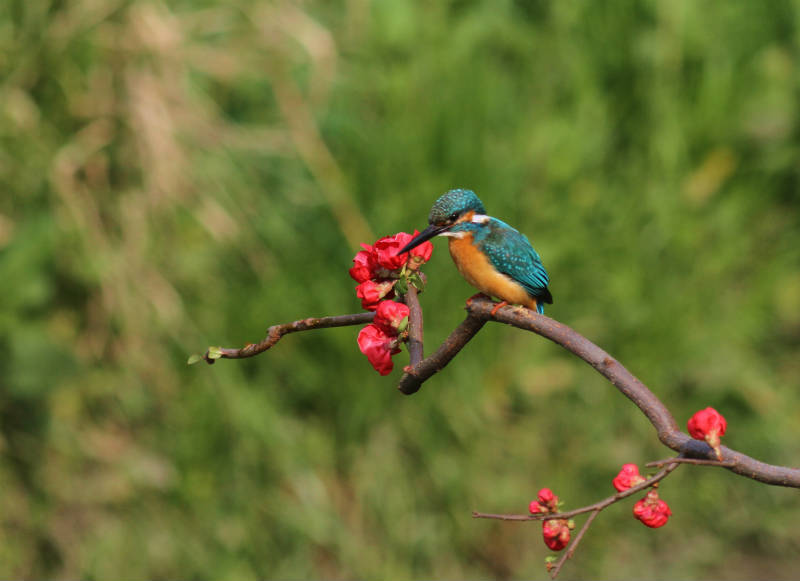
pixel 426 234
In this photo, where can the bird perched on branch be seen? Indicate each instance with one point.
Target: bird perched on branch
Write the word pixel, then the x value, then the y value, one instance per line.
pixel 490 254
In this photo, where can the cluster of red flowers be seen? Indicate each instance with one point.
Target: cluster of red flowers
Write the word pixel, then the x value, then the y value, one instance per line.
pixel 556 532
pixel 381 274
pixel 651 510
pixel 707 425
pixel 378 268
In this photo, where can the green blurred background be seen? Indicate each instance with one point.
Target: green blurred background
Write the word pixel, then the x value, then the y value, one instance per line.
pixel 186 173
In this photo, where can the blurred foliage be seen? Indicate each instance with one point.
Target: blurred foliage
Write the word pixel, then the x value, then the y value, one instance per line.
pixel 184 173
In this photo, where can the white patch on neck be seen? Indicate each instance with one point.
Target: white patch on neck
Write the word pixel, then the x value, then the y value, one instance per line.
pixel 479 219
pixel 458 234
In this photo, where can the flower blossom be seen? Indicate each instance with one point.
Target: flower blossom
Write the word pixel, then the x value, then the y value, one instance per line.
pixel 377 268
pixel 391 316
pixel 379 347
pixel 628 477
pixel 373 292
pixel 652 511
pixel 380 273
pixel 364 265
pixel 556 533
pixel 708 425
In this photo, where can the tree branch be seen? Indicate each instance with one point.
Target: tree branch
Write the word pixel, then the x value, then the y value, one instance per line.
pixel 478 313
pixel 597 506
pixel 655 411
pixel 573 545
pixel 416 375
pixel 275 332
pixel 415 331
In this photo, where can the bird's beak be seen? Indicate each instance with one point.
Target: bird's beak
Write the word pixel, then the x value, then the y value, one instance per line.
pixel 426 234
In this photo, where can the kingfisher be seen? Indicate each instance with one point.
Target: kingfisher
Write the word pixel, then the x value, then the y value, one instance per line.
pixel 491 255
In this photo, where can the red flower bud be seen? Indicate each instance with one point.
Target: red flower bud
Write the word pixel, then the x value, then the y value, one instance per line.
pixel 556 533
pixel 652 511
pixel 378 347
pixel 536 508
pixel 371 293
pixel 548 499
pixel 708 425
pixel 390 316
pixel 628 477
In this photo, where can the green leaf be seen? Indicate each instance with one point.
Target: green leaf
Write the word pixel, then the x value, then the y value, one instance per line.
pixel 403 325
pixel 214 352
pixel 401 286
pixel 194 358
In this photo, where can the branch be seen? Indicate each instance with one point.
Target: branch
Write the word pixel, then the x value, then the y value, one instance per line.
pixel 694 461
pixel 597 506
pixel 573 545
pixel 415 331
pixel 478 313
pixel 275 332
pixel 655 411
pixel 595 509
pixel 416 375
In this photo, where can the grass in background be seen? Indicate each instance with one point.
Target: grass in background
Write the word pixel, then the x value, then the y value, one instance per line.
pixel 180 174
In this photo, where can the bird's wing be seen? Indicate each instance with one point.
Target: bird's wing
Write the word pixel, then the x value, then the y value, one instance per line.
pixel 512 254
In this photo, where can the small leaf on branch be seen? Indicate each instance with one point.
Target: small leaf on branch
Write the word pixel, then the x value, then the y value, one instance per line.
pixel 416 280
pixel 194 358
pixel 401 286
pixel 403 325
pixel 214 352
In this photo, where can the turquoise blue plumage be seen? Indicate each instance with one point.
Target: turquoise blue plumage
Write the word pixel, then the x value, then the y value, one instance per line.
pixel 491 255
pixel 512 254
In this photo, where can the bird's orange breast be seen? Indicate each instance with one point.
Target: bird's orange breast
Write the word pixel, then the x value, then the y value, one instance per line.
pixel 479 272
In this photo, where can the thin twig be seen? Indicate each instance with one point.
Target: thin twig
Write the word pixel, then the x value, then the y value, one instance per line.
pixel 599 505
pixel 573 545
pixel 275 332
pixel 594 509
pixel 695 461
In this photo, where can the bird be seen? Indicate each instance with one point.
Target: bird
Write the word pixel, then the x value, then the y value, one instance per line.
pixel 491 255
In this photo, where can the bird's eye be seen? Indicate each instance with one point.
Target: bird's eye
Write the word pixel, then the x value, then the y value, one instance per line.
pixel 453 216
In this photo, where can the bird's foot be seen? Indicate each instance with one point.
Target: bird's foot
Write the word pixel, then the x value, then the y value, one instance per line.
pixel 476 296
pixel 498 306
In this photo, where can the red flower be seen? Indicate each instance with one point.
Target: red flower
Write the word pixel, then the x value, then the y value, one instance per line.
pixel 421 253
pixel 386 250
pixel 378 347
pixel 652 511
pixel 708 425
pixel 556 533
pixel 376 268
pixel 371 293
pixel 364 263
pixel 548 499
pixel 629 476
pixel 536 508
pixel 390 316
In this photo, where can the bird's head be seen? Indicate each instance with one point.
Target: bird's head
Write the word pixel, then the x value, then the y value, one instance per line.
pixel 451 208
